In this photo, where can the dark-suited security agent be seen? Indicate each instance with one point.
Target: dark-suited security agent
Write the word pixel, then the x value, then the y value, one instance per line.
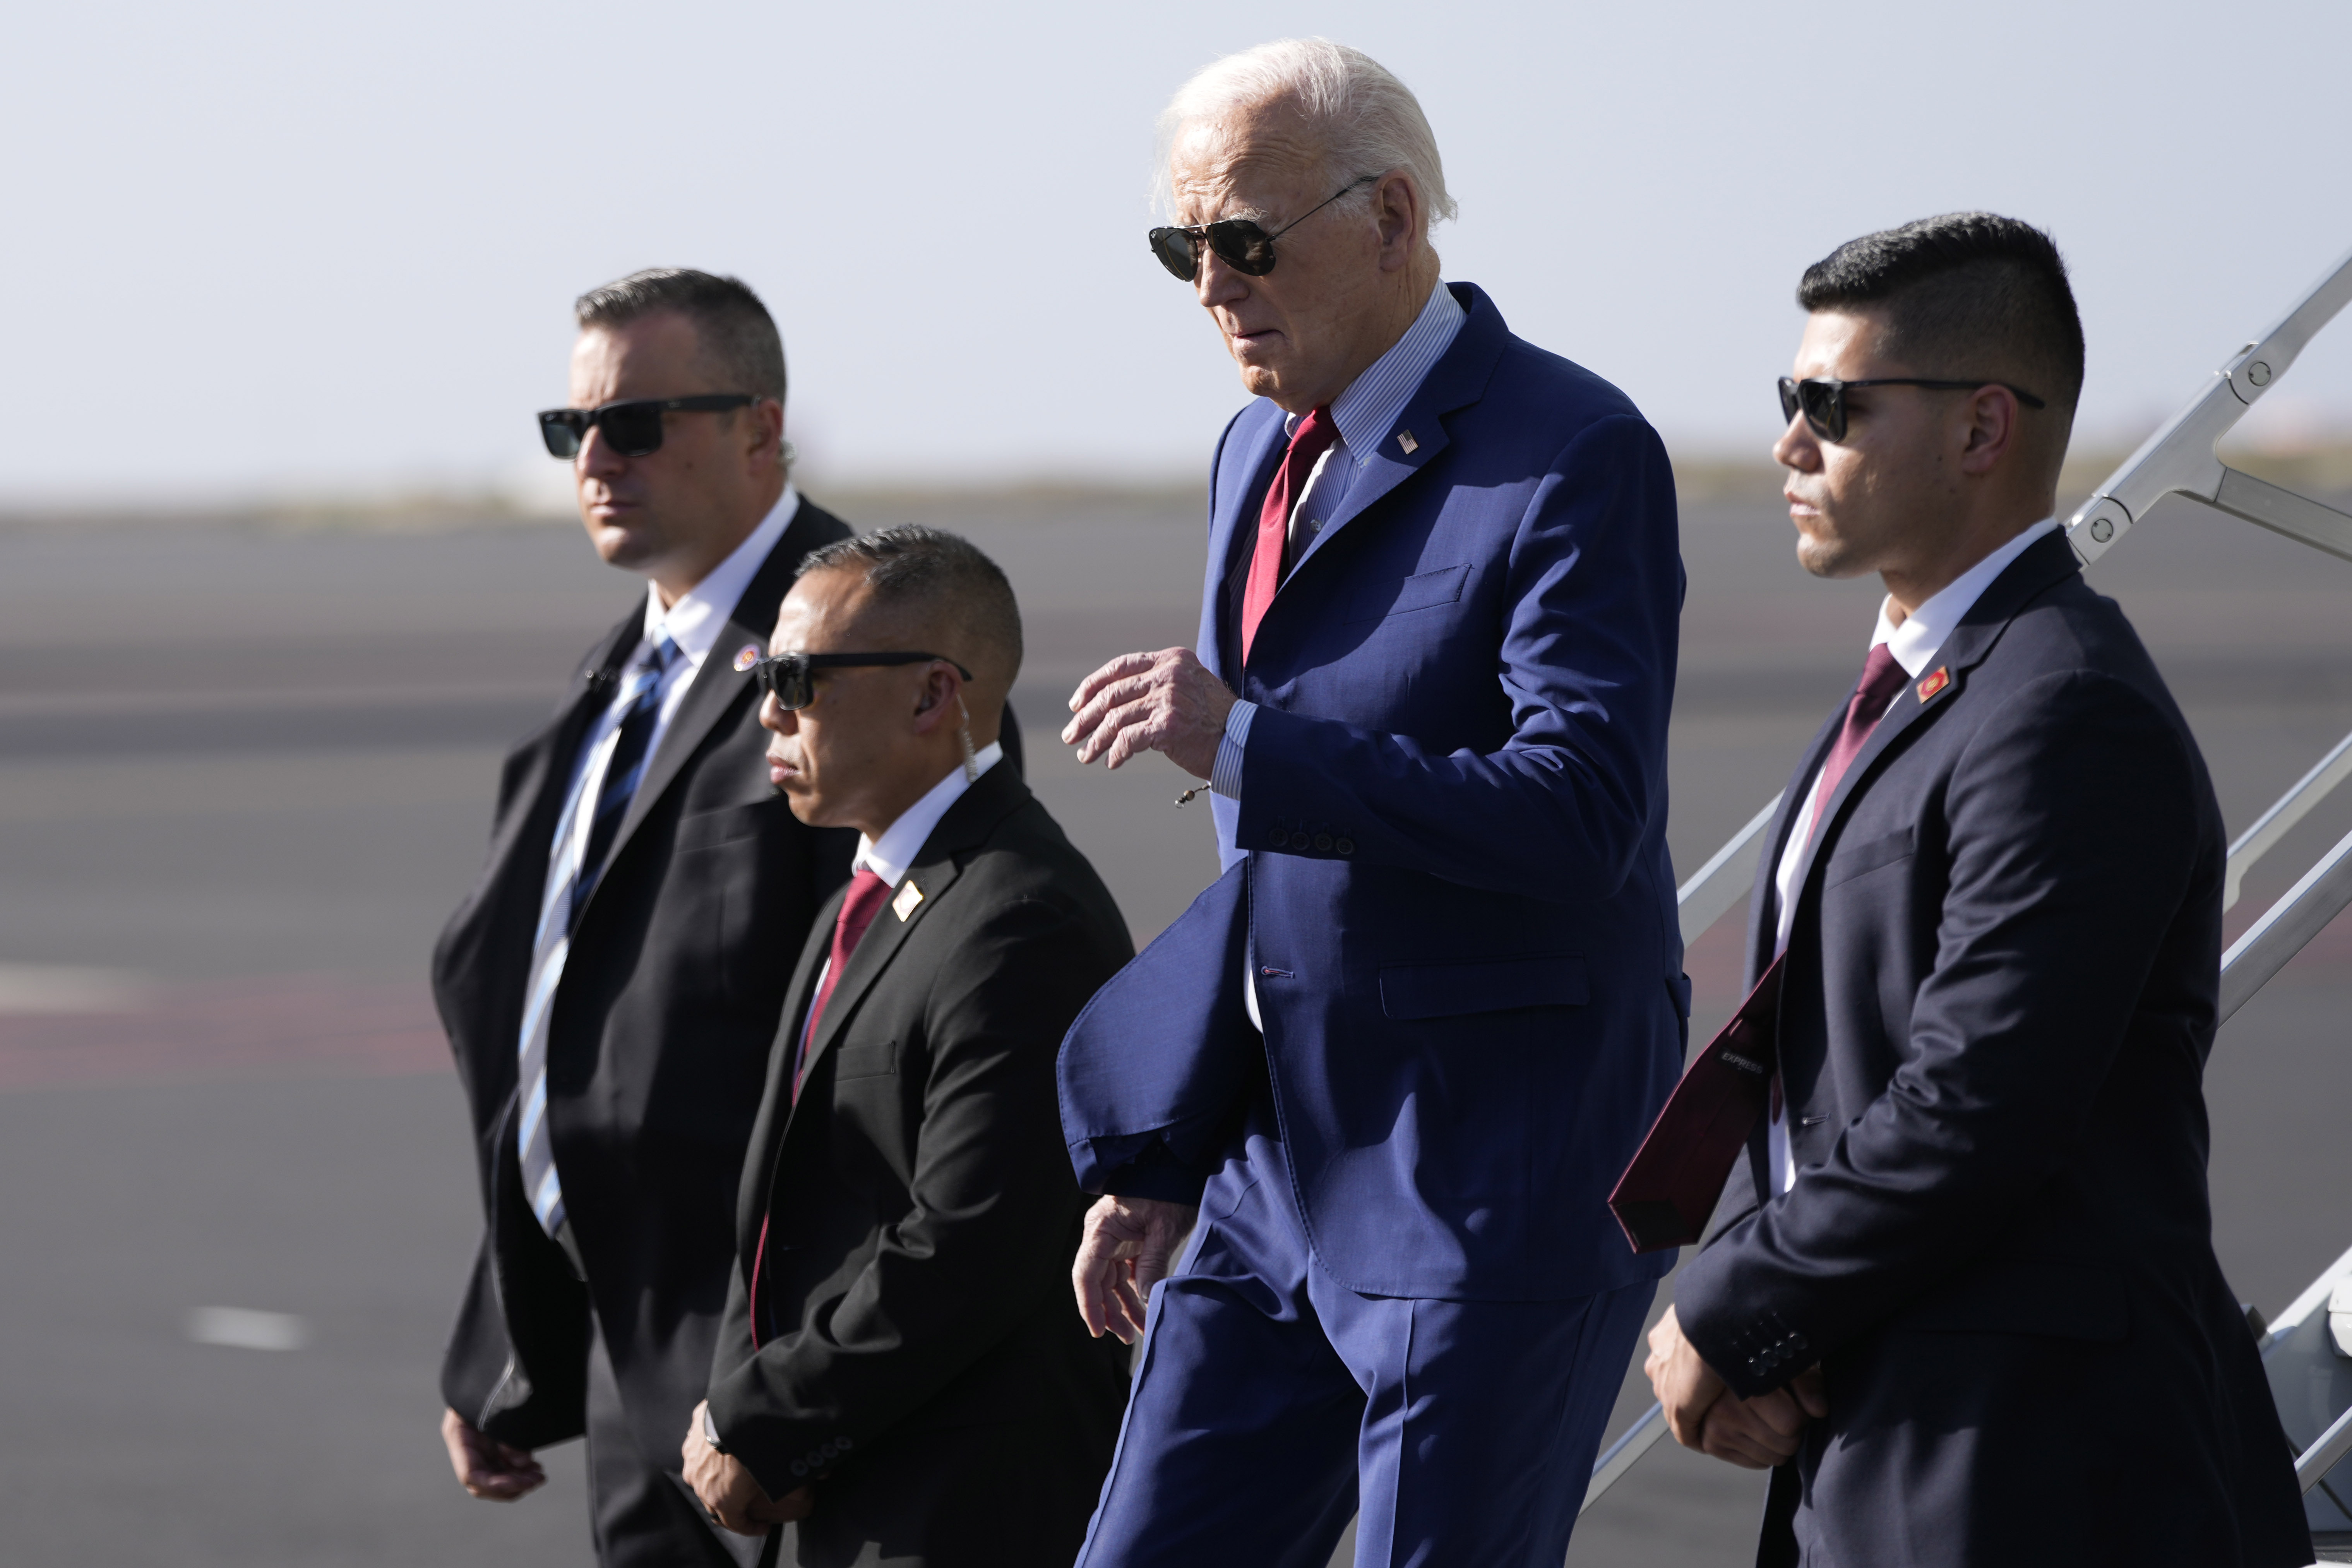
pixel 1961 1293
pixel 611 984
pixel 1393 1059
pixel 898 1376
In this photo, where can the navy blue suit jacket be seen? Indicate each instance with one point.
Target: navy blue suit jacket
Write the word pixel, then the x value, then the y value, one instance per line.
pixel 1447 867
pixel 1999 997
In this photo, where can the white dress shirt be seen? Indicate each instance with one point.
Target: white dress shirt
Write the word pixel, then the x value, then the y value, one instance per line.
pixel 891 856
pixel 1913 642
pixel 693 623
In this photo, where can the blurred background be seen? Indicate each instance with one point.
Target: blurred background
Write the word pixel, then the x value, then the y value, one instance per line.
pixel 283 570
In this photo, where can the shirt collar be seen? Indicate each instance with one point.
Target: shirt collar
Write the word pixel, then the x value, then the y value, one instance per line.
pixel 1372 402
pixel 1922 631
pixel 890 856
pixel 700 614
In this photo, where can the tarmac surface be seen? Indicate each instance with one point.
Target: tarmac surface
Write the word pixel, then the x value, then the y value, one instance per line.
pixel 245 772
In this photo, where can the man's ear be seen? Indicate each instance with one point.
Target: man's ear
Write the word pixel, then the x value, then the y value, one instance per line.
pixel 938 702
pixel 1992 432
pixel 763 429
pixel 1396 208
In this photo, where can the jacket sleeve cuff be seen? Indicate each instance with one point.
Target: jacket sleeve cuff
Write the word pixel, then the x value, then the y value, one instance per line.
pixel 1157 1172
pixel 1752 1349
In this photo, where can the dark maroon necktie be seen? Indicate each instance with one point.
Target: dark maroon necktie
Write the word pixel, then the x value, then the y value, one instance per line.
pixel 867 894
pixel 1307 444
pixel 1665 1195
pixel 1882 678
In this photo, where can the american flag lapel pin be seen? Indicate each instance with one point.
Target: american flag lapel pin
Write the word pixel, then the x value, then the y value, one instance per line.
pixel 1404 439
pixel 1935 682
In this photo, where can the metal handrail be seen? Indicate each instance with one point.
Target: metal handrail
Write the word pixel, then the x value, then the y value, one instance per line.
pixel 2322 1456
pixel 2289 809
pixel 1716 886
pixel 2178 460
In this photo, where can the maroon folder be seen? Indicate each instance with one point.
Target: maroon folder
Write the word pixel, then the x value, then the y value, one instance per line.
pixel 1665 1195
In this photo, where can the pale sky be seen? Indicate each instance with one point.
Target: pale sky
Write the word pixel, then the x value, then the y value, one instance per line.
pixel 299 249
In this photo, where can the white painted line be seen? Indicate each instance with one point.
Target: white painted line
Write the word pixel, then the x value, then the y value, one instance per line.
pixel 242 1328
pixel 66 988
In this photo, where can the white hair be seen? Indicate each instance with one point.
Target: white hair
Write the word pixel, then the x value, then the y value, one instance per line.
pixel 1368 120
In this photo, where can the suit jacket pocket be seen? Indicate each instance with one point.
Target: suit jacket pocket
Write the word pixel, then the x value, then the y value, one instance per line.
pixel 1423 591
pixel 2027 1295
pixel 1482 986
pixel 728 824
pixel 865 1061
pixel 1870 855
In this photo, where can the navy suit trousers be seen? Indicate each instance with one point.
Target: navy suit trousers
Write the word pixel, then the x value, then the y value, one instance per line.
pixel 1271 1403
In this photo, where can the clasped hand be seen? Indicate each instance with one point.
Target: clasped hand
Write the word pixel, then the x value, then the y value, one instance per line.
pixel 730 1494
pixel 1165 701
pixel 1703 1414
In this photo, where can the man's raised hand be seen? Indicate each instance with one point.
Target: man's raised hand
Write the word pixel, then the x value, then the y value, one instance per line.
pixel 1128 1246
pixel 1165 701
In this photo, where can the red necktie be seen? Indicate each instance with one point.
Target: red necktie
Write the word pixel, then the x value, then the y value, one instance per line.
pixel 1307 444
pixel 1668 1191
pixel 858 906
pixel 1882 678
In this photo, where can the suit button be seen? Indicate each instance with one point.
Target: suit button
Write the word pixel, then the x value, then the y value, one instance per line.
pixel 1278 839
pixel 843 1441
pixel 799 1469
pixel 1344 846
pixel 1323 842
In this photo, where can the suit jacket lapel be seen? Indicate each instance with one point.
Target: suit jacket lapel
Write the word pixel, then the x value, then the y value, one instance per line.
pixel 1233 531
pixel 1458 380
pixel 592 689
pixel 967 824
pixel 2048 559
pixel 1763 903
pixel 776 1096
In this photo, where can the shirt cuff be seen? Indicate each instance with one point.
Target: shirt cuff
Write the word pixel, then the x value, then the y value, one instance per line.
pixel 1225 777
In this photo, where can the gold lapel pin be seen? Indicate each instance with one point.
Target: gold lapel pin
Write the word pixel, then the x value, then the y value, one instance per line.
pixel 1404 439
pixel 910 895
pixel 1935 682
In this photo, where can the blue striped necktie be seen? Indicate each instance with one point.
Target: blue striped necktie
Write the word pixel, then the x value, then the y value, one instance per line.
pixel 572 872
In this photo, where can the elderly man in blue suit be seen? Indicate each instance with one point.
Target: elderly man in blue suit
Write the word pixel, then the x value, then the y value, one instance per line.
pixel 1385 1070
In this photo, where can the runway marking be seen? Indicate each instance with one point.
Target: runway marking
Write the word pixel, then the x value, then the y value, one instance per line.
pixel 242 1328
pixel 66 988
pixel 276 1025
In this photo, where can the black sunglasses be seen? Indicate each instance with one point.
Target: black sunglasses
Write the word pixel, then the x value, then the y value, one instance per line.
pixel 633 427
pixel 1240 243
pixel 789 678
pixel 1823 397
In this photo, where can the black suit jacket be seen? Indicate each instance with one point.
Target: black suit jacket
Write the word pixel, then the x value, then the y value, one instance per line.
pixel 658 1041
pixel 920 1349
pixel 1999 998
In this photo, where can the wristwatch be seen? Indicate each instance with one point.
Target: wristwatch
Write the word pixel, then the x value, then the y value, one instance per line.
pixel 710 1431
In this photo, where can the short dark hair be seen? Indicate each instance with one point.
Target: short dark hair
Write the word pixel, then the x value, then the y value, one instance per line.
pixel 1957 290
pixel 942 573
pixel 733 328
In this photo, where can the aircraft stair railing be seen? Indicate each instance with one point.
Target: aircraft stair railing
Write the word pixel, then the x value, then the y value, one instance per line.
pixel 2308 1351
